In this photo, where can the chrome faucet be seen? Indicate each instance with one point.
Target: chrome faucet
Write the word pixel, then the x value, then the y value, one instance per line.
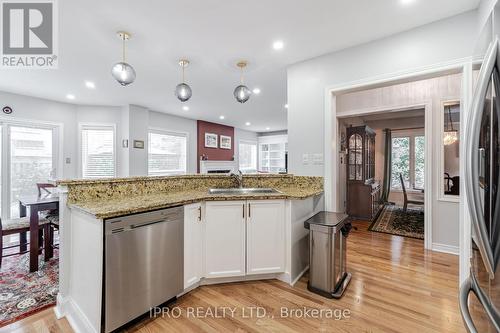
pixel 238 176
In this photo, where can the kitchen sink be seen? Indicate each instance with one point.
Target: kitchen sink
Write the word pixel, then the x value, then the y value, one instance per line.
pixel 242 191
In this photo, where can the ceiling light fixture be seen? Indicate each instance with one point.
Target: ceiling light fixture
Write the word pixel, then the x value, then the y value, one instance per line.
pixel 185 108
pixel 256 91
pixel 221 117
pixel 268 128
pixel 286 106
pixel 122 71
pixel 70 96
pixel 407 2
pixel 241 92
pixel 248 123
pixel 278 45
pixel 183 91
pixel 90 84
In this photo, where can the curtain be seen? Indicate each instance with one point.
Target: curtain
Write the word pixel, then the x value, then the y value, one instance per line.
pixel 386 183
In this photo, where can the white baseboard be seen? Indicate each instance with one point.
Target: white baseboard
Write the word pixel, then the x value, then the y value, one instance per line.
pixel 300 275
pixel 77 320
pixel 61 306
pixel 446 248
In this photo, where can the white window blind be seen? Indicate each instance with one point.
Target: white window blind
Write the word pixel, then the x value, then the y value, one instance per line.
pixel 98 151
pixel 167 153
pixel 247 157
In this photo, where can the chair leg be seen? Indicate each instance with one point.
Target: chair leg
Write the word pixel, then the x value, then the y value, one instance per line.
pixel 47 242
pixel 1 249
pixel 23 240
pixel 405 207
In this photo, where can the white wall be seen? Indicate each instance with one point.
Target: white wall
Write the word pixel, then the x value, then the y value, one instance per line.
pixel 436 43
pixel 37 109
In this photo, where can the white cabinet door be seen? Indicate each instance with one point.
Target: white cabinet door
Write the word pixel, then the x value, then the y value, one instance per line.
pixel 193 244
pixel 224 238
pixel 266 236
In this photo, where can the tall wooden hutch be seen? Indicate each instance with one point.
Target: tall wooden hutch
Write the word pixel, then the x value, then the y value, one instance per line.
pixel 363 191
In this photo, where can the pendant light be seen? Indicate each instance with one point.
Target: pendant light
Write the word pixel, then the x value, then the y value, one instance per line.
pixel 450 135
pixel 241 92
pixel 122 71
pixel 183 91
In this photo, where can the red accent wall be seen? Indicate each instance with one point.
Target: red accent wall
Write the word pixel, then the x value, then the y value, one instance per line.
pixel 214 154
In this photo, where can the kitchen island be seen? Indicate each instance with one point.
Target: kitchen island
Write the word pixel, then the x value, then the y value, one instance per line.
pixel 226 237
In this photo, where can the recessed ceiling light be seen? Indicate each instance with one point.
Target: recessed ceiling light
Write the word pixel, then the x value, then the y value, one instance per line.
pixel 256 91
pixel 268 128
pixel 278 45
pixel 221 117
pixel 407 2
pixel 185 108
pixel 248 123
pixel 286 106
pixel 70 96
pixel 90 84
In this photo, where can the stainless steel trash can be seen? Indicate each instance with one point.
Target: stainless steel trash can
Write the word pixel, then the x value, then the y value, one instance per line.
pixel 327 253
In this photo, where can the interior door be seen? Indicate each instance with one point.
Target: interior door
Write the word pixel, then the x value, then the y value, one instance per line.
pixel 31 159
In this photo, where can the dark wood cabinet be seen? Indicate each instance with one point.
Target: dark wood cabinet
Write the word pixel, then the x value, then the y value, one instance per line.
pixel 363 191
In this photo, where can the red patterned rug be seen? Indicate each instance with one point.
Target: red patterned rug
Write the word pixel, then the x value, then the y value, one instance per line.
pixel 23 293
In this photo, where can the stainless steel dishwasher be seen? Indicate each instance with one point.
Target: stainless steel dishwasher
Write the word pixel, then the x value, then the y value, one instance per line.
pixel 143 264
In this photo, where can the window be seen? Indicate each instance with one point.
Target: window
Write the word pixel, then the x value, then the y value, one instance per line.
pixel 167 153
pixel 408 159
pixel 248 156
pixel 97 151
pixel 272 153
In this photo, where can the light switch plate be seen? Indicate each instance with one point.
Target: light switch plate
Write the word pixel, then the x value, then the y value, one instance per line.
pixel 317 159
pixel 305 159
pixel 68 160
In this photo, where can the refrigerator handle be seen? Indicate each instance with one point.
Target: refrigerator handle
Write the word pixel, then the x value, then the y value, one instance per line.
pixel 479 232
pixel 471 285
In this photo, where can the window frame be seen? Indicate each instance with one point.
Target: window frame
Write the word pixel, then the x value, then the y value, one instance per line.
pixel 90 125
pixel 172 133
pixel 411 134
pixel 57 153
pixel 253 143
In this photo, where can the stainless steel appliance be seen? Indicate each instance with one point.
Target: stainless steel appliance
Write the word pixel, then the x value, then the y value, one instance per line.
pixel 327 254
pixel 143 264
pixel 480 293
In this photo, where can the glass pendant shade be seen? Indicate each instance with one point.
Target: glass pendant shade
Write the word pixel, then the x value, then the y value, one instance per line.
pixel 123 73
pixel 450 137
pixel 242 93
pixel 183 92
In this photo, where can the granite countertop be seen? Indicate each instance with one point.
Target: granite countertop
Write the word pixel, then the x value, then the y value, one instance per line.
pixel 103 209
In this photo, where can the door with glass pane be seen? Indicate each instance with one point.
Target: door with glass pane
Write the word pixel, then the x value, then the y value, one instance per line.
pixel 29 158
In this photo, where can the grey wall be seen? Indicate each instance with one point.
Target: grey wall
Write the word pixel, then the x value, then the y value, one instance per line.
pixel 432 44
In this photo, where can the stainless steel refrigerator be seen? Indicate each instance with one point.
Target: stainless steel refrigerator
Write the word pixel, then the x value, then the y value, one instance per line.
pixel 480 293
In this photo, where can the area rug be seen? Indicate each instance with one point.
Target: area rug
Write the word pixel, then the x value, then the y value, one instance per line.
pixel 393 220
pixel 23 293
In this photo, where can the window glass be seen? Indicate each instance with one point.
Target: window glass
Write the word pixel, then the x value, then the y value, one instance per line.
pixel 167 153
pixel 248 157
pixel 98 153
pixel 451 148
pixel 400 161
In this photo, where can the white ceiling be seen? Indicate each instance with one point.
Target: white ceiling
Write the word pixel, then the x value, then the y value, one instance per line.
pixel 213 34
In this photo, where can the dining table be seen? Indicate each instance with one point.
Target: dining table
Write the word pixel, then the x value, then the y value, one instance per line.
pixel 37 204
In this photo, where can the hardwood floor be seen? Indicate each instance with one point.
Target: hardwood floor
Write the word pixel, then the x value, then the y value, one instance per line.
pixel 397 286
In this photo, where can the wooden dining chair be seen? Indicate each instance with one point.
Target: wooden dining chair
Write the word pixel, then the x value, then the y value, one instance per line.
pixel 43 187
pixel 405 196
pixel 51 216
pixel 19 226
